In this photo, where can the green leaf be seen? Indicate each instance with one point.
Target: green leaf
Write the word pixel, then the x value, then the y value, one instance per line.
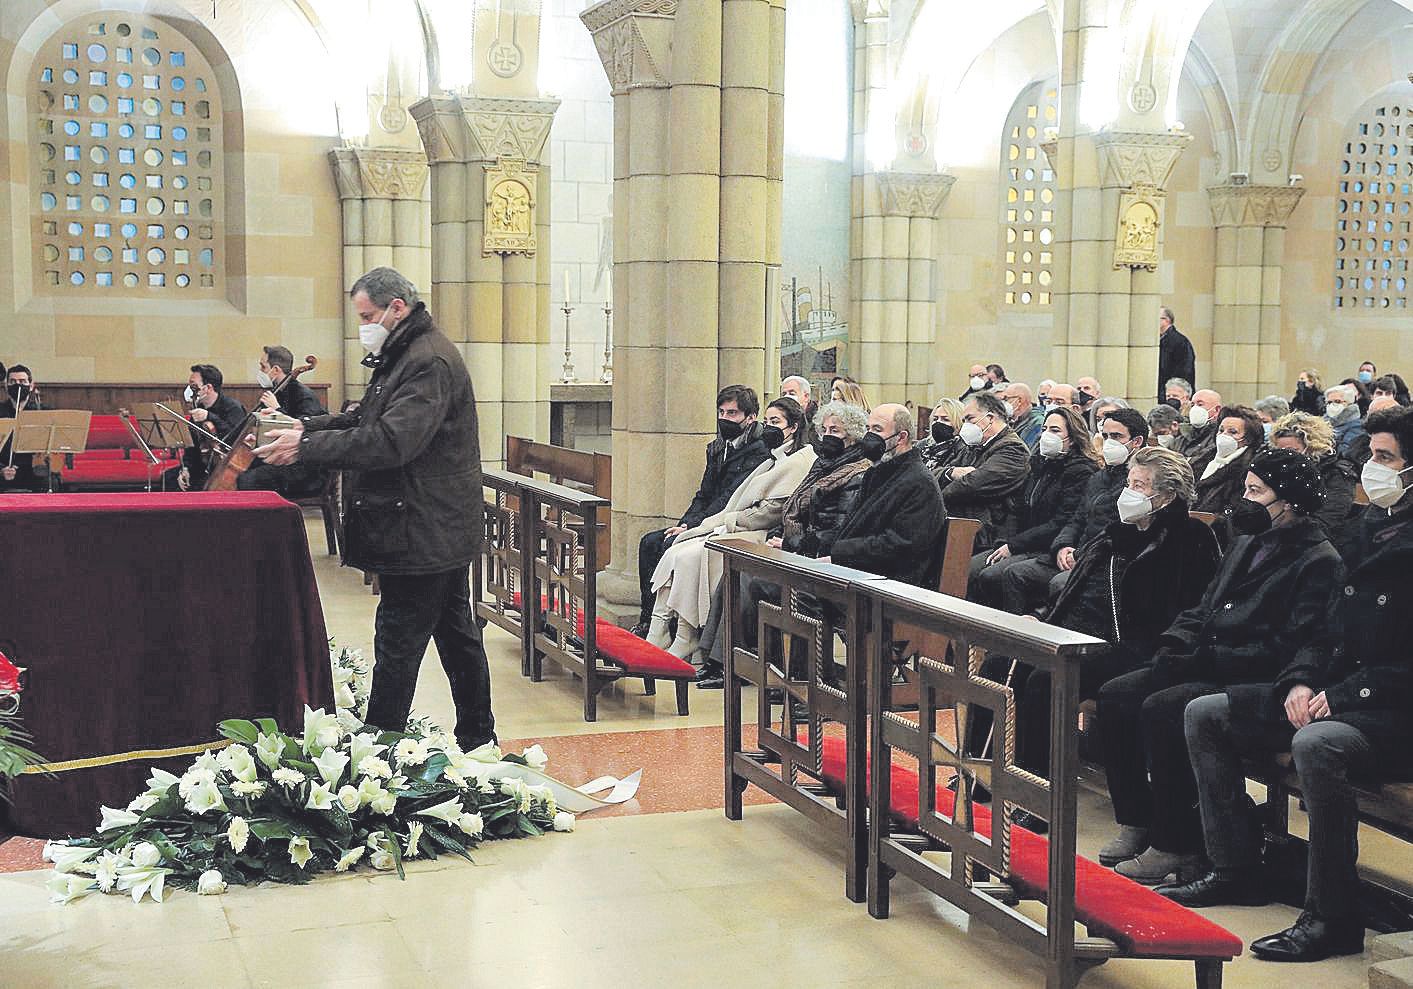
pixel 391 841
pixel 240 730
pixel 265 830
pixel 445 841
pixel 528 827
pixel 433 769
pixel 268 726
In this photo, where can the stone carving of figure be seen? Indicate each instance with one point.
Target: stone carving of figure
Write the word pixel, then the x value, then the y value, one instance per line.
pixel 510 208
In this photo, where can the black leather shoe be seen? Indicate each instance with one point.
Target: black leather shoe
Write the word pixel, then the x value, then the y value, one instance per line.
pixel 640 630
pixel 1310 940
pixel 1248 889
pixel 711 677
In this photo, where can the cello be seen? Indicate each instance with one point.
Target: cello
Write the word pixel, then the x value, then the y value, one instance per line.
pixel 237 460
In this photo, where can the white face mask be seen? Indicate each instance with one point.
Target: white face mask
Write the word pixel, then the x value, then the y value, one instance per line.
pixel 1383 485
pixel 189 395
pixel 1198 416
pixel 1268 428
pixel 970 434
pixel 977 383
pixel 1133 506
pixel 1334 410
pixel 1051 445
pixel 372 336
pixel 1226 445
pixel 1115 452
pixel 263 379
pixel 1167 442
pixel 1010 410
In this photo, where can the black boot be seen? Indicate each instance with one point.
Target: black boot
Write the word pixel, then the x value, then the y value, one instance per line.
pixel 1234 887
pixel 711 676
pixel 1310 940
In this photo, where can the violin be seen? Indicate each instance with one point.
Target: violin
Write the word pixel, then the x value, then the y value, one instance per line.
pixel 241 455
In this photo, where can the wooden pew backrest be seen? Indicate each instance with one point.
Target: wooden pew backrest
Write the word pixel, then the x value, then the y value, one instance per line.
pixel 590 472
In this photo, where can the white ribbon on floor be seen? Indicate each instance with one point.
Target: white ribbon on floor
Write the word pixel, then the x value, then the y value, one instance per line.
pixel 576 799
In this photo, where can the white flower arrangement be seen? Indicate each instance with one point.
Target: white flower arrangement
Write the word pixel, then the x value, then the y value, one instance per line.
pixel 273 807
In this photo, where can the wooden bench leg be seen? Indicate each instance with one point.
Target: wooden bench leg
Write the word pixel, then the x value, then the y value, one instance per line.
pixel 591 696
pixel 1209 973
pixel 682 686
pixel 650 686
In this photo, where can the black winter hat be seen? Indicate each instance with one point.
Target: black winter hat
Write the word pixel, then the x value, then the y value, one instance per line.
pixel 1293 477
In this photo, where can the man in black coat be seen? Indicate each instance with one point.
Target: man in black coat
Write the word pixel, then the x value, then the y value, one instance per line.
pixel 989 482
pixel 1343 714
pixel 292 398
pixel 213 413
pixel 730 458
pixel 17 473
pixel 1266 604
pixel 894 526
pixel 414 501
pixel 1175 356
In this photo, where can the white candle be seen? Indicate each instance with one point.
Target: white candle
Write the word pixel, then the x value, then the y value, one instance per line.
pixel 566 286
pixel 608 287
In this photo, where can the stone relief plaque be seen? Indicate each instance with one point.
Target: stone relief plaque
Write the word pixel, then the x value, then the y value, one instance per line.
pixel 1140 219
pixel 511 187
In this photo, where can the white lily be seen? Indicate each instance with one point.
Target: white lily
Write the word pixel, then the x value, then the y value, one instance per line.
pixel 206 797
pixel 563 821
pixel 145 855
pixel 449 811
pixel 238 833
pixel 535 757
pixel 343 696
pixel 384 803
pixel 115 819
pixel 237 760
pixel 362 745
pixel 143 881
pixel 66 887
pixel 414 835
pixel 320 797
pixel 299 851
pixel 454 778
pixel 142 802
pixel 320 731
pixel 66 858
pixel 471 824
pixel 369 789
pixel 210 883
pixel 348 721
pixel 160 781
pixel 331 763
pixel 349 858
pixel 269 749
pixel 489 752
pixel 342 673
pixel 195 777
pixel 207 761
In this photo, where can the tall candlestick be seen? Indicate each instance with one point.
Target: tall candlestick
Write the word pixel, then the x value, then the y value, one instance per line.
pixel 568 369
pixel 607 376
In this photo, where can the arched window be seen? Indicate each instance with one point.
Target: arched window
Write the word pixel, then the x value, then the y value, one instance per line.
pixel 1372 210
pixel 126 142
pixel 1029 209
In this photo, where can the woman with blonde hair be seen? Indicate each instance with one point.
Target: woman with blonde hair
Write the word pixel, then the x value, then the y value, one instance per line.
pixel 847 390
pixel 1314 436
pixel 1309 393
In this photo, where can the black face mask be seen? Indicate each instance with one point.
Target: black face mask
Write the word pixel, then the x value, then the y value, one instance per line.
pixel 18 392
pixel 1250 518
pixel 773 436
pixel 873 446
pixel 1173 403
pixel 729 430
pixel 942 431
pixel 1083 398
pixel 1301 386
pixel 831 447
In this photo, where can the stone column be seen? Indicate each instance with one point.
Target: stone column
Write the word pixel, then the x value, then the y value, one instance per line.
pixel 698 156
pixel 383 192
pixel 1246 299
pixel 1109 291
pixel 492 297
pixel 866 253
pixel 898 328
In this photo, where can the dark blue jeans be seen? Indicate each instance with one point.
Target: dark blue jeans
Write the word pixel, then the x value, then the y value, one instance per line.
pixel 413 610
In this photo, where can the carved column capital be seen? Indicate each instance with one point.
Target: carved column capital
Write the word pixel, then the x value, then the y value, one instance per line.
pixel 914 194
pixel 869 10
pixel 379 173
pixel 634 41
pixel 1253 205
pixel 1139 159
pixel 483 128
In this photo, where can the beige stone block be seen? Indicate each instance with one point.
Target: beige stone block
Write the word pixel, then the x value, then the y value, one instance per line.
pixel 872 243
pixel 1224 361
pixel 1268 369
pixel 895 279
pixel 871 287
pixel 1270 325
pixel 639 489
pixel 1086 262
pixel 1390 947
pixel 774 227
pixel 479 267
pixel 648 212
pixel 693 224
pixel 868 360
pixel 745 131
pixel 486 364
pixel 1111 366
pixel 378 255
pixel 1246 371
pixel 449 184
pixel 743 218
pixel 893 366
pixel 1224 283
pixel 1080 360
pixel 648 132
pixel 1250 245
pixel 449 247
pixel 406 222
pixel 1394 974
pixel 1113 320
pixel 921 235
pixel 377 222
pixel 742 305
pixel 486 313
pixel 1088 221
pixel 640 372
pixel 352 221
pixel 691 304
pixel 746 44
pixel 1226 239
pixel 1271 285
pixel 920 271
pixel 695 129
pixel 1245 325
pixel 895 236
pixel 871 316
pixel 520 314
pixel 647 317
pixel 697 45
pixel 492 432
pixel 520 372
pixel 288 296
pixel 1248 285
pixel 279 216
pixel 775 136
pixel 523 419
pixel 746 366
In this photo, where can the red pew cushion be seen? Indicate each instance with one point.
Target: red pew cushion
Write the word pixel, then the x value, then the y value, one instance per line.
pixel 635 655
pixel 1110 905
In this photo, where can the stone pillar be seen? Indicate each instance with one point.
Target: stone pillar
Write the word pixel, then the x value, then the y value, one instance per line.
pixel 898 328
pixel 698 156
pixel 491 296
pixel 1246 299
pixel 1108 290
pixel 383 192
pixel 866 252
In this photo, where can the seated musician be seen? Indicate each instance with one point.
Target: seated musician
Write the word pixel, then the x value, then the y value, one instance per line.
pixel 1342 713
pixel 17 470
pixel 285 394
pixel 211 410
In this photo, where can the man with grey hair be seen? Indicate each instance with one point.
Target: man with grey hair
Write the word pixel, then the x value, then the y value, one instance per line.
pixel 1177 392
pixel 412 452
pixel 1164 426
pixel 797 388
pixel 1342 410
pixel 1271 409
pixel 1025 418
pixel 991 478
pixel 1176 358
pixel 894 526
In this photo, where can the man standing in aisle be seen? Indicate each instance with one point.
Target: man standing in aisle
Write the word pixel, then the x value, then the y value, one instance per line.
pixel 1175 356
pixel 414 507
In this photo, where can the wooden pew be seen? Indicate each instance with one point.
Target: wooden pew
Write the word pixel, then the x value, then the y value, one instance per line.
pixel 591 472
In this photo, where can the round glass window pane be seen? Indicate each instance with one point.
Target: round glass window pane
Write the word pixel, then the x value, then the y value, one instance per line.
pixel 1046 236
pixel 75 229
pixel 155 206
pixel 151 56
pixel 129 230
pixel 76 278
pixel 183 280
pixel 178 83
pixel 152 156
pixel 130 280
pixel 98 103
pixel 151 106
pixel 47 201
pixel 179 182
pixel 181 233
pixel 155 255
pixel 97 53
pixel 73 178
pixel 127 180
pixel 124 79
pixel 178 133
pixel 70 76
pixel 124 30
pixel 125 130
pixel 104 254
pixel 98 154
pixel 51 253
pixel 71 127
pixel 99 204
pixel 207 257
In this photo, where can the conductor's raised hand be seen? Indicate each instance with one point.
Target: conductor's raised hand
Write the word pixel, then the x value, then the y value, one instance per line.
pixel 283 447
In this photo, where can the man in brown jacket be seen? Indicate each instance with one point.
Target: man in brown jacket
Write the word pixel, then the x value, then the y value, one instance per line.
pixel 414 501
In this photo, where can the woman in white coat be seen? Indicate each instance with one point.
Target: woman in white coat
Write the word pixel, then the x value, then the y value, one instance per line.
pixel 688 573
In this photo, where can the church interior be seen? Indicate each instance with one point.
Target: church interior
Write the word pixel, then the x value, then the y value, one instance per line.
pixel 613 210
